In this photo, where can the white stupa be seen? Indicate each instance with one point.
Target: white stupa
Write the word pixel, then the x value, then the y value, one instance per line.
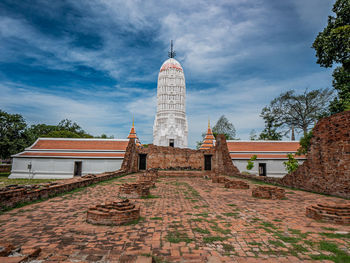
pixel 170 125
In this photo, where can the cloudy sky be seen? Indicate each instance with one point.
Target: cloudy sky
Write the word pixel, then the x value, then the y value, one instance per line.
pixel 96 62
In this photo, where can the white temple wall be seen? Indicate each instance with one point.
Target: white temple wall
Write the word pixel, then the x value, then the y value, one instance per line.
pixel 274 168
pixel 60 168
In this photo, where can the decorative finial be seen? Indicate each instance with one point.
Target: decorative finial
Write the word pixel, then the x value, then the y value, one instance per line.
pixel 172 52
pixel 132 120
pixel 208 123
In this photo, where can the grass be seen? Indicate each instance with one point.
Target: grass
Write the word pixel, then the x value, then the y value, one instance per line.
pixel 338 256
pixel 335 235
pixel 4 181
pixel 255 243
pixel 287 239
pixel 277 243
pixel 202 214
pixel 228 247
pixel 297 248
pixel 234 214
pixel 201 230
pixel 177 237
pixel 220 230
pixel 156 218
pixel 149 196
pixel 155 259
pixel 329 228
pixel 211 239
pixel 268 224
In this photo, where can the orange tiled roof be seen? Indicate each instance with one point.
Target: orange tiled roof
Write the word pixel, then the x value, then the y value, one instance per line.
pixel 263 156
pixel 80 144
pixel 263 146
pixel 75 154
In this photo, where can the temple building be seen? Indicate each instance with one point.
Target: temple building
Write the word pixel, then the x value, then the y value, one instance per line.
pixel 63 158
pixel 170 125
pixel 270 154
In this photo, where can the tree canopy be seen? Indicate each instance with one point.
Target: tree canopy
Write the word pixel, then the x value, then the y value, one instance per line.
pixel 332 46
pixel 15 134
pixel 224 126
pixel 290 110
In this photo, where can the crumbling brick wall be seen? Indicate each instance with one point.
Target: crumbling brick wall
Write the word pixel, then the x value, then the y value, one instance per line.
pixel 327 168
pixel 163 158
pixel 130 161
pixel 222 160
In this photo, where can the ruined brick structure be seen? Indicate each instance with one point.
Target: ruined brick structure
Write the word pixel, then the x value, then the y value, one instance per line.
pixel 334 213
pixel 134 190
pixel 219 179
pixel 327 168
pixel 268 192
pixel 12 196
pixel 236 184
pixel 179 159
pixel 115 213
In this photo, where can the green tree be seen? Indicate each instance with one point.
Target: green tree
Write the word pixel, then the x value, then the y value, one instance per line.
pixel 39 130
pixel 252 135
pixel 300 111
pixel 305 143
pixel 13 134
pixel 292 164
pixel 224 126
pixel 250 164
pixel 271 125
pixel 332 46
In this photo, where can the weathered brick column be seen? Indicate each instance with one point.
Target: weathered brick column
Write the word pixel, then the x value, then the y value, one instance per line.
pixel 327 168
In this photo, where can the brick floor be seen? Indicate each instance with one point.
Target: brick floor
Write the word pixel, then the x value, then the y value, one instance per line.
pixel 190 220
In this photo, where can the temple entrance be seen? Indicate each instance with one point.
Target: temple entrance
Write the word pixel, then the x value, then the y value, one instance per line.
pixel 142 161
pixel 207 162
pixel 171 142
pixel 77 168
pixel 262 169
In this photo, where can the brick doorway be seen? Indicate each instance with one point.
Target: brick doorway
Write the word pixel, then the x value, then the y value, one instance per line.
pixel 142 161
pixel 207 162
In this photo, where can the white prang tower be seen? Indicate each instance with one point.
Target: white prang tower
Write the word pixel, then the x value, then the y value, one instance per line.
pixel 170 125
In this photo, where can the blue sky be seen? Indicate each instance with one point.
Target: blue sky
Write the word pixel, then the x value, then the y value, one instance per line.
pixel 96 62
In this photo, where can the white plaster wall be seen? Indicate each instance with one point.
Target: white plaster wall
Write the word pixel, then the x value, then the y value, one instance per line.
pixel 274 168
pixel 60 168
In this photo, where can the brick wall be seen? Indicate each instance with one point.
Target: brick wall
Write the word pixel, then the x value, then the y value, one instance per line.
pixel 183 159
pixel 160 157
pixel 327 168
pixel 11 198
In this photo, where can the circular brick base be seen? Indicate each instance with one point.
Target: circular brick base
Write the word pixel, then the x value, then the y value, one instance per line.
pixel 115 213
pixel 268 192
pixel 334 213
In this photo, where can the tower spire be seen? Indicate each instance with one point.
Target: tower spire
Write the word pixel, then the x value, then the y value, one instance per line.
pixel 171 53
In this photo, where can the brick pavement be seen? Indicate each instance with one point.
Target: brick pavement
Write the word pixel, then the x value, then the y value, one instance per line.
pixel 187 220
